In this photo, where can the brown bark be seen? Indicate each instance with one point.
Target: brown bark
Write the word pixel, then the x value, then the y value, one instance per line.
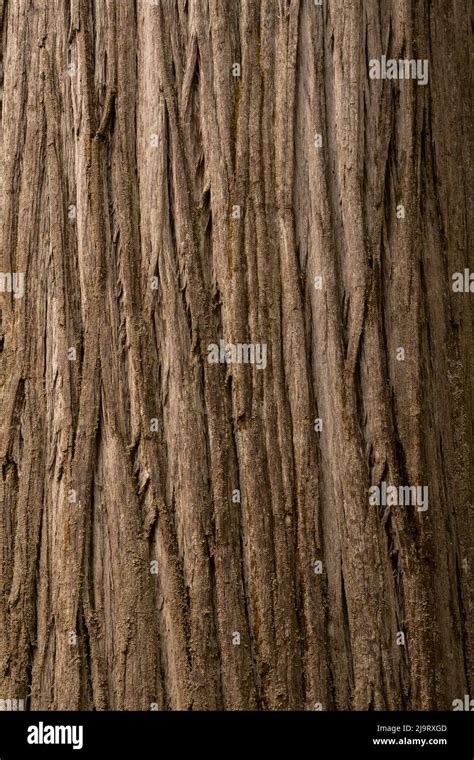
pixel 127 143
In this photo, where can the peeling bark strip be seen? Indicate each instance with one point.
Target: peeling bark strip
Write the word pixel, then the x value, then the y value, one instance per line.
pixel 236 318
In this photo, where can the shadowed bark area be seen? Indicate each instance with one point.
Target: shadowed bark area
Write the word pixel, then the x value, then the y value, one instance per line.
pixel 182 534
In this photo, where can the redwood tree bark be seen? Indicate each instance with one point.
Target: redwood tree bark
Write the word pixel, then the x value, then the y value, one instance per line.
pixel 182 534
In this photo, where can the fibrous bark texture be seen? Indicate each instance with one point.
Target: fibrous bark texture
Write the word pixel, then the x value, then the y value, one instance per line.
pixel 185 523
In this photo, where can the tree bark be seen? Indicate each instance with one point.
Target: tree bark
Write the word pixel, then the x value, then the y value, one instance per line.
pixel 182 534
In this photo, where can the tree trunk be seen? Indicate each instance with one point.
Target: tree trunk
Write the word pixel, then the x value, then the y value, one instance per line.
pixel 187 524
